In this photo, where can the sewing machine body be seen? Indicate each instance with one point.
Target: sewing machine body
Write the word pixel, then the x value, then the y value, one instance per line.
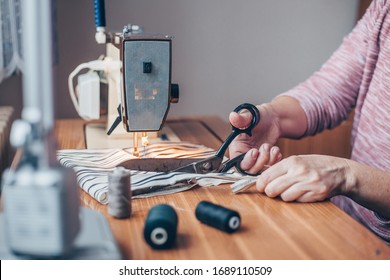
pixel 142 98
pixel 146 91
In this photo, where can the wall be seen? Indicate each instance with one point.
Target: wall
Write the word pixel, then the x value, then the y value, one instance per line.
pixel 11 93
pixel 225 51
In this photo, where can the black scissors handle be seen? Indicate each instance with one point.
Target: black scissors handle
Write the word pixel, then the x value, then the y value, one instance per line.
pixel 236 131
pixel 235 162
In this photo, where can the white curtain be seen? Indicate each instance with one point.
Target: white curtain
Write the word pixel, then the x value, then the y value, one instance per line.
pixel 10 38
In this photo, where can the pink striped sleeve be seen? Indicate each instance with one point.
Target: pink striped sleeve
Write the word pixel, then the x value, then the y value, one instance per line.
pixel 330 93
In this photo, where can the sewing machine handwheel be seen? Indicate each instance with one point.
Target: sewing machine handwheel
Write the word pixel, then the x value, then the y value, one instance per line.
pixel 174 93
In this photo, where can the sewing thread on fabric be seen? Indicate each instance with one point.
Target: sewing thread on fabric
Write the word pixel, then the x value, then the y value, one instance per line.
pixel 160 226
pixel 218 216
pixel 119 193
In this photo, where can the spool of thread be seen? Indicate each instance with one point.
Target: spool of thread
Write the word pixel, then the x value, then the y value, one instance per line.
pixel 119 193
pixel 160 227
pixel 218 216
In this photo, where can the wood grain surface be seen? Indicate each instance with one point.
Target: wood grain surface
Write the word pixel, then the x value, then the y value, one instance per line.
pixel 271 228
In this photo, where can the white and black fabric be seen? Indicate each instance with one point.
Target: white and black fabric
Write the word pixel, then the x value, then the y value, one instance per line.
pixel 93 166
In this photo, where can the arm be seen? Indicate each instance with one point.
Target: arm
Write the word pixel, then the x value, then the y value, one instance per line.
pixel 371 188
pixel 331 93
pixel 322 101
pixel 289 116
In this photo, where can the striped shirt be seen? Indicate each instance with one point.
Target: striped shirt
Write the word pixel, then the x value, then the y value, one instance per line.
pixel 357 76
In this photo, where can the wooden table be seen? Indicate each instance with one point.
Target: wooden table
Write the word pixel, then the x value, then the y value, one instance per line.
pixel 271 228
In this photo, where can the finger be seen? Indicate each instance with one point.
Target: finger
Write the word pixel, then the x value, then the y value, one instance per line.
pixel 240 120
pixel 265 159
pixel 280 168
pixel 306 197
pixel 262 159
pixel 309 196
pixel 315 192
pixel 275 155
pixel 294 192
pixel 239 146
pixel 249 159
pixel 279 185
pixel 298 190
pixel 276 179
pixel 300 193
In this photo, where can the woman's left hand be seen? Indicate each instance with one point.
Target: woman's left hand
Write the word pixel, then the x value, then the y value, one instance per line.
pixel 306 178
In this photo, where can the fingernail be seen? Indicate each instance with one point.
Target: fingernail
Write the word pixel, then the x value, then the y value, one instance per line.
pixel 254 153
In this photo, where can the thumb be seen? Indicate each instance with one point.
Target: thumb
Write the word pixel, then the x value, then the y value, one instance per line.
pixel 240 120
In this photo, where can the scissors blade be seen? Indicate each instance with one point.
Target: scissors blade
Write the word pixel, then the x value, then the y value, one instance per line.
pixel 203 166
pixel 157 164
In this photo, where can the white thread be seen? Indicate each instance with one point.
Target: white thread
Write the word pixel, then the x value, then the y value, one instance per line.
pixel 234 222
pixel 159 236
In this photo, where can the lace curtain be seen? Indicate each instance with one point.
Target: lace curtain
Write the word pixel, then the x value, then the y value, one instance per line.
pixel 10 38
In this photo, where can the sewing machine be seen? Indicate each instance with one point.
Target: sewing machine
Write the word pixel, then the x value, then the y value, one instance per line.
pixel 139 90
pixel 42 217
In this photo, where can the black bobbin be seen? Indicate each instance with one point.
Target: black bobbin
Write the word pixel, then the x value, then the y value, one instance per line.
pixel 160 227
pixel 218 216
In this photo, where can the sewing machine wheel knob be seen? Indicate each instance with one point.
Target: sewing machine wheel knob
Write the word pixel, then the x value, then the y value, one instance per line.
pixel 174 93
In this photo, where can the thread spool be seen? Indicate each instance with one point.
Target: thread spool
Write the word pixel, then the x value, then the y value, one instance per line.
pixel 119 193
pixel 160 227
pixel 218 216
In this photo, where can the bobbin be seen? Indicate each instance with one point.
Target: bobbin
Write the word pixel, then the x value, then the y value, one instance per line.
pixel 160 227
pixel 218 216
pixel 119 193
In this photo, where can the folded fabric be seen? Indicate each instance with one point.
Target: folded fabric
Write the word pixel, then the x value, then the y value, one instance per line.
pixel 93 166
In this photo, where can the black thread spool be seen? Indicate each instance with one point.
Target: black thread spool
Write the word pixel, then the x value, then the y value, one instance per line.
pixel 160 227
pixel 218 216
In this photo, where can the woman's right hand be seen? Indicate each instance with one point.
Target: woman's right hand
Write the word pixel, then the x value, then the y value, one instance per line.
pixel 260 148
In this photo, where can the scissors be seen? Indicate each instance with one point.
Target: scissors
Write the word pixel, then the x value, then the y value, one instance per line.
pixel 214 163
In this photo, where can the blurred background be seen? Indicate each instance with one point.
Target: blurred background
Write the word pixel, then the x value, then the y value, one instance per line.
pixel 225 52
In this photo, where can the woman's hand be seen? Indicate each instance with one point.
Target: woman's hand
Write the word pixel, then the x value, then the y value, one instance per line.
pixel 259 147
pixel 283 117
pixel 306 178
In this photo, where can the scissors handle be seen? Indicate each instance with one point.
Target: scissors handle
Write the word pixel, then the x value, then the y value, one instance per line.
pixel 255 118
pixel 236 131
pixel 235 162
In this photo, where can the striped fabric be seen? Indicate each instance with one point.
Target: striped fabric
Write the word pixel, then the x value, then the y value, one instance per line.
pixel 6 153
pixel 356 76
pixel 93 166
